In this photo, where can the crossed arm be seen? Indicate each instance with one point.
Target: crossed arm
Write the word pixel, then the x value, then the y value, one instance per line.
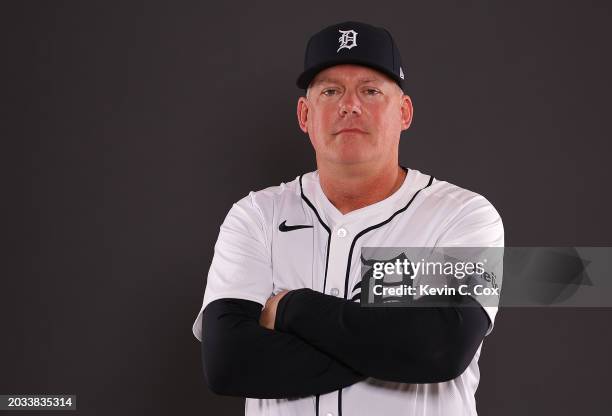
pixel 304 342
pixel 242 358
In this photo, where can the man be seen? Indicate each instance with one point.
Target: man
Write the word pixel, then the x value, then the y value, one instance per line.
pixel 281 322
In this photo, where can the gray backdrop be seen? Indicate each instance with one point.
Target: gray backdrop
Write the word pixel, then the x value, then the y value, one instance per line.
pixel 130 128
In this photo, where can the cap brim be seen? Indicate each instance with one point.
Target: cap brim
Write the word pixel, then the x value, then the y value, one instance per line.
pixel 307 76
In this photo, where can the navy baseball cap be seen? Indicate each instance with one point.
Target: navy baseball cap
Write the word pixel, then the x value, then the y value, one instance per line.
pixel 352 43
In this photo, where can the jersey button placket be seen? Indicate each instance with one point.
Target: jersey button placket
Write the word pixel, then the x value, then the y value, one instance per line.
pixel 340 245
pixel 338 256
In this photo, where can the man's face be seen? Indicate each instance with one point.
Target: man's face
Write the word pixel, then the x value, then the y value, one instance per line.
pixel 354 115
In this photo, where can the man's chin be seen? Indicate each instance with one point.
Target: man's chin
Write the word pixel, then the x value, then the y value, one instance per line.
pixel 352 160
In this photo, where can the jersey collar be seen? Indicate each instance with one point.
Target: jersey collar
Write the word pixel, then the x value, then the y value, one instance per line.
pixel 367 215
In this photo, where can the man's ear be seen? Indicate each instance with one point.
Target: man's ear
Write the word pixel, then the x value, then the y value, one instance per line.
pixel 302 113
pixel 407 111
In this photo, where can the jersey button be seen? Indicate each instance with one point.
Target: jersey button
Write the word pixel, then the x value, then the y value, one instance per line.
pixel 341 233
pixel 329 414
pixel 334 291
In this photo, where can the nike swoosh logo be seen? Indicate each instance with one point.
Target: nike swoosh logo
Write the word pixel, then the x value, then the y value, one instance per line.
pixel 284 228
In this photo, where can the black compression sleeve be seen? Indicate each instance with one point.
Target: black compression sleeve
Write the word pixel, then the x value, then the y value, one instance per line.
pixel 402 344
pixel 242 358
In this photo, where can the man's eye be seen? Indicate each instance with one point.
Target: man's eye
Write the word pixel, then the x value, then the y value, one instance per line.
pixel 371 91
pixel 329 93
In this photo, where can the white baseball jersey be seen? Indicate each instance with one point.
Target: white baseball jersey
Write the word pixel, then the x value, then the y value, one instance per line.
pixel 254 259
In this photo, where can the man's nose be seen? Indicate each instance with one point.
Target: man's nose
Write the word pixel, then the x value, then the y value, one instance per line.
pixel 349 104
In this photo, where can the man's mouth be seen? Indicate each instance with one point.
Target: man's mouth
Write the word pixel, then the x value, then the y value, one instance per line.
pixel 352 130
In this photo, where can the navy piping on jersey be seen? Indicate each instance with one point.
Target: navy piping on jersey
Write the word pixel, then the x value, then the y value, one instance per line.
pixel 324 226
pixel 326 258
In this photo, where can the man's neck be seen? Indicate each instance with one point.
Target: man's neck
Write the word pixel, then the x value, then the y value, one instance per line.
pixel 351 189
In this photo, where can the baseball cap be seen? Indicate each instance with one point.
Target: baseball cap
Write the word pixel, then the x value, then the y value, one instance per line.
pixel 352 43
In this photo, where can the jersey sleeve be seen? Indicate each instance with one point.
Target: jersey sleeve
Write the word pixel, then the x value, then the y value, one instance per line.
pixel 241 267
pixel 477 224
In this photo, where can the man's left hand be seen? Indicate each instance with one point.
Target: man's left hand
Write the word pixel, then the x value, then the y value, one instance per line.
pixel 268 313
